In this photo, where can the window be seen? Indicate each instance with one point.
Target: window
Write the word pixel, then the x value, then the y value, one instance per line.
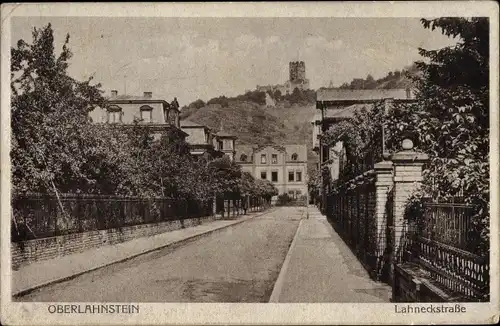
pixel 263 175
pixel 274 176
pixel 299 176
pixel 291 176
pixel 114 114
pixel 114 117
pixel 294 157
pixel 221 145
pixel 243 158
pixel 146 113
pixel 326 152
pixel 274 159
pixel 263 159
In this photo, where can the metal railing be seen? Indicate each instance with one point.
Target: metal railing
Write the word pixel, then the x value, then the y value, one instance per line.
pixel 40 216
pixel 443 242
pixel 352 212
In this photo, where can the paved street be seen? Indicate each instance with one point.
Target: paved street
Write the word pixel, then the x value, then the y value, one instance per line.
pixel 238 264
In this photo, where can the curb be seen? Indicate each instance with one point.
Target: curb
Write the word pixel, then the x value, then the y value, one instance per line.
pixel 172 244
pixel 278 285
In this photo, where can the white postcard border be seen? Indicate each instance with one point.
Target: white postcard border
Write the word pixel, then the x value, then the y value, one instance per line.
pixel 270 313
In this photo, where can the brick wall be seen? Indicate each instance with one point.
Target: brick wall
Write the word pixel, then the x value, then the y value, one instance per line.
pixel 41 249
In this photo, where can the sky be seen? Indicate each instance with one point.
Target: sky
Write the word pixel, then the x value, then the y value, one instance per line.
pixel 201 58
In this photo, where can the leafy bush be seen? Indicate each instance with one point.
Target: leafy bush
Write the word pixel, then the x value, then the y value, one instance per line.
pixel 283 200
pixel 449 122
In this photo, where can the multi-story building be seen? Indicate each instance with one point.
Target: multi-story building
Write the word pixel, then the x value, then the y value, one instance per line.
pixel 206 143
pixel 339 104
pixel 285 166
pixel 226 143
pixel 146 111
pixel 201 140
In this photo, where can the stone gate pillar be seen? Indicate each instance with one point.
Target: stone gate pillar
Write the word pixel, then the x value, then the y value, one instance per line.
pixel 407 178
pixel 383 184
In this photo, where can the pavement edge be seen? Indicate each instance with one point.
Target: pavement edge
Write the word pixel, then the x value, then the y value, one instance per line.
pixel 278 285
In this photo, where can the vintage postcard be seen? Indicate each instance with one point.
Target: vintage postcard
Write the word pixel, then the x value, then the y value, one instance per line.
pixel 249 163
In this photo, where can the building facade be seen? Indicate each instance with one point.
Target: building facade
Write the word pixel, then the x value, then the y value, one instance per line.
pixel 226 143
pixel 285 166
pixel 206 143
pixel 127 111
pixel 335 105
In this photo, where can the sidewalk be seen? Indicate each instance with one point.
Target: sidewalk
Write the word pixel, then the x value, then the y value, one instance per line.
pixel 320 267
pixel 42 273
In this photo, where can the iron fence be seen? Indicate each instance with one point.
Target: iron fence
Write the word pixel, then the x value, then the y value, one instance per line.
pixel 42 216
pixel 443 242
pixel 352 213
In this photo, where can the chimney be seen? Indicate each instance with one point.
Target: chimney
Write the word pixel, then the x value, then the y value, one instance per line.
pixel 408 93
pixel 114 93
pixel 148 94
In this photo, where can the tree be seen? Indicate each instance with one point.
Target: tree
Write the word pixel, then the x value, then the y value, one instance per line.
pixel 451 118
pixel 370 82
pixel 225 176
pixel 277 95
pixel 198 104
pixel 52 144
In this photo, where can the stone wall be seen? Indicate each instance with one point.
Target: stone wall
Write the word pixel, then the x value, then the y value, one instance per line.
pixel 26 252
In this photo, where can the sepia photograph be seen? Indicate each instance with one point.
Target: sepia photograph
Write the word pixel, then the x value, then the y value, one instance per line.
pixel 160 156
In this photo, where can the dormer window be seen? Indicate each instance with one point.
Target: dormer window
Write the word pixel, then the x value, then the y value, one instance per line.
pixel 114 114
pixel 243 158
pixel 146 113
pixel 295 157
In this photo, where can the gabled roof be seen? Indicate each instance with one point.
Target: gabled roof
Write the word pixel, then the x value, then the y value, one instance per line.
pixel 337 94
pixel 299 149
pixel 249 150
pixel 276 147
pixel 124 98
pixel 244 149
pixel 189 123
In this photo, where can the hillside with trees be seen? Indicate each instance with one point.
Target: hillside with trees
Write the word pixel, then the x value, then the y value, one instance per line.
pixel 248 117
pixel 288 121
pixel 394 79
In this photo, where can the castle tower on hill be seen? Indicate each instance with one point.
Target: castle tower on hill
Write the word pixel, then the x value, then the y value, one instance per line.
pixel 297 70
pixel 297 76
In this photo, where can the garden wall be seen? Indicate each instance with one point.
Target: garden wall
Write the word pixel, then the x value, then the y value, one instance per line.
pixel 29 251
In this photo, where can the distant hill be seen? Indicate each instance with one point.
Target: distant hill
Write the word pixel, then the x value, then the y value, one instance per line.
pixel 394 79
pixel 253 122
pixel 287 122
